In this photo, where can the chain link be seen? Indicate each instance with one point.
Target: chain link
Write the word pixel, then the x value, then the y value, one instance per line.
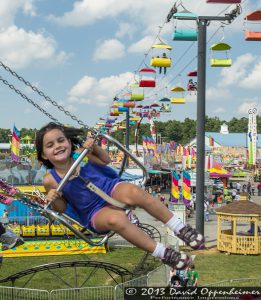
pixel 48 99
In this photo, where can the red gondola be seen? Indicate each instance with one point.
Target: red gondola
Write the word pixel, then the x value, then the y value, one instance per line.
pixel 147 82
pixel 253 35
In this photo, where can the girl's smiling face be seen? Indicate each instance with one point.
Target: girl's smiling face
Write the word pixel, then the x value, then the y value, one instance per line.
pixel 56 147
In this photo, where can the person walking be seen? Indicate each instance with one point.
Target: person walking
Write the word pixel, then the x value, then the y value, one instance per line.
pixel 259 189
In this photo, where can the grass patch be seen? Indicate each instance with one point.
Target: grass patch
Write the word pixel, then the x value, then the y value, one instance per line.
pixel 211 265
pixel 214 266
pixel 124 257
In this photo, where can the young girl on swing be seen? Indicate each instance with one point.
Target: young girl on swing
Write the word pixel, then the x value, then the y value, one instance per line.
pixel 55 146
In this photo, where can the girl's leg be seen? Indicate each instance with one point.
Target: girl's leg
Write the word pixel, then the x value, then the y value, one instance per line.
pixel 115 219
pixel 135 196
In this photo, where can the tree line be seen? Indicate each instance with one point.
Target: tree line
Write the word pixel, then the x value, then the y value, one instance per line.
pixel 180 131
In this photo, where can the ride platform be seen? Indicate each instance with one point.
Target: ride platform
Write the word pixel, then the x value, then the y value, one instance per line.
pixel 53 247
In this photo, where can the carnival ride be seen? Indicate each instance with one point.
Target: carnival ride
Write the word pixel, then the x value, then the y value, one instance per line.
pixel 136 93
pixel 37 201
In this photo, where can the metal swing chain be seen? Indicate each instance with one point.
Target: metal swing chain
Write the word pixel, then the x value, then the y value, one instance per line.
pixel 48 99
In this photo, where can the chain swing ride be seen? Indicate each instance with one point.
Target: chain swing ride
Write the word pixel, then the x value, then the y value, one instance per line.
pixel 37 200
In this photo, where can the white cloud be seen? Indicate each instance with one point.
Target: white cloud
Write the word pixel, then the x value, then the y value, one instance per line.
pixel 142 45
pixel 237 71
pixel 125 29
pixel 82 87
pixel 87 12
pixel 20 48
pixel 109 50
pixel 213 93
pixel 253 79
pixel 99 92
pixel 145 13
pixel 249 103
pixel 8 10
pixel 219 110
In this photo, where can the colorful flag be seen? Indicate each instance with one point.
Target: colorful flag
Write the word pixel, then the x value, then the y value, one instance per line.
pixel 186 188
pixel 15 145
pixel 174 187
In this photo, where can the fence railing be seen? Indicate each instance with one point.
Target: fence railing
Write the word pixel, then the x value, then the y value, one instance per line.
pixel 13 293
pixel 157 277
pixel 90 293
pixel 256 282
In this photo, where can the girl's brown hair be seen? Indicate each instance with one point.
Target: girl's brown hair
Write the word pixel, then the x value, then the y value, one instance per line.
pixel 75 135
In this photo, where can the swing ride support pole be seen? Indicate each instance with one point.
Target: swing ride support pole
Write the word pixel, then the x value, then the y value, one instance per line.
pixel 127 137
pixel 203 22
pixel 200 129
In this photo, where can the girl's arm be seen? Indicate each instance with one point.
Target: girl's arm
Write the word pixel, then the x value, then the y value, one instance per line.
pixel 58 203
pixel 96 154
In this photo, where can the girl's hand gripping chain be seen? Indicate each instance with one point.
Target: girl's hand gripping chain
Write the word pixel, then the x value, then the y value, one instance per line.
pixel 53 196
pixel 89 144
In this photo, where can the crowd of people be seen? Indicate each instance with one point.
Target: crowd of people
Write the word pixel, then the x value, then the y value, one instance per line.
pixel 184 278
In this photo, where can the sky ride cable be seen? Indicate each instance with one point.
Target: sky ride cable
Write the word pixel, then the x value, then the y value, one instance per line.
pixel 180 59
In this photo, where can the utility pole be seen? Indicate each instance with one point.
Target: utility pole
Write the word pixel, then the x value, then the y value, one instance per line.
pixel 203 22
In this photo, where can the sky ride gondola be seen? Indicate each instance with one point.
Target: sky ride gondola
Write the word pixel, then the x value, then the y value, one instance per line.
pixel 129 104
pixel 161 60
pixel 165 99
pixel 185 34
pixel 144 80
pixel 253 18
pixel 137 93
pixel 193 73
pixel 220 62
pixel 123 109
pixel 179 97
pixel 192 86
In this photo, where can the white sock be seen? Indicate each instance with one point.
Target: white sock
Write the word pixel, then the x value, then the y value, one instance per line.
pixel 159 251
pixel 175 224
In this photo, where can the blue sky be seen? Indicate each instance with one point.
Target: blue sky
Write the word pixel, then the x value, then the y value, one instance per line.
pixel 82 53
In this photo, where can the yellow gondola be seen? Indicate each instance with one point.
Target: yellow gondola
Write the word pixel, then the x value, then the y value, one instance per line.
pixel 161 60
pixel 179 95
pixel 137 93
pixel 220 62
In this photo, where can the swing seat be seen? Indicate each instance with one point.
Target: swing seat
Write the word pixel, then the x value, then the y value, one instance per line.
pixel 185 35
pixel 114 114
pixel 17 230
pixel 177 100
pixel 129 104
pixel 137 97
pixel 147 83
pixel 42 230
pixel 160 62
pixel 57 230
pixel 28 230
pixel 215 62
pixel 252 36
